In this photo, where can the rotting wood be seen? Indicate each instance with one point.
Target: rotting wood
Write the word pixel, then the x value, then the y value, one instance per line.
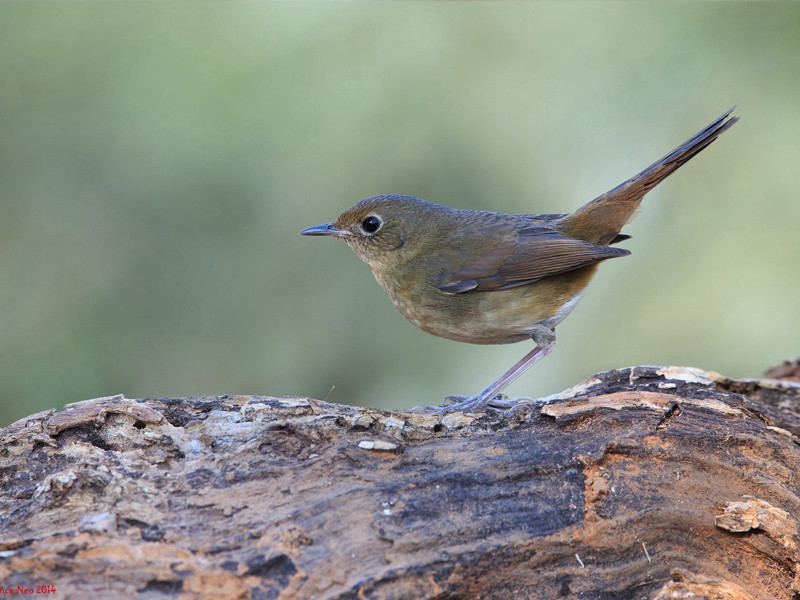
pixel 648 482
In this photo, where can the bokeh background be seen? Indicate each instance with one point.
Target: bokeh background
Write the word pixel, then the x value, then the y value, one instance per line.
pixel 158 160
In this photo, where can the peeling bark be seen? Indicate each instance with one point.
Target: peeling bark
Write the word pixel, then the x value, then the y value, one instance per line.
pixel 639 483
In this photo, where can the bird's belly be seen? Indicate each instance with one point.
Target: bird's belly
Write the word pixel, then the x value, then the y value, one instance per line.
pixel 491 317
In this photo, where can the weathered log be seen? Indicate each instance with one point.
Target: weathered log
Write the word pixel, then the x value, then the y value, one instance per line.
pixel 640 483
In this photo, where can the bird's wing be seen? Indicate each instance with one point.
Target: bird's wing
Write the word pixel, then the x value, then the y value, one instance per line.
pixel 500 258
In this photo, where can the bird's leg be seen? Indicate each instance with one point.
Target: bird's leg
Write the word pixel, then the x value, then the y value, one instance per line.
pixel 545 339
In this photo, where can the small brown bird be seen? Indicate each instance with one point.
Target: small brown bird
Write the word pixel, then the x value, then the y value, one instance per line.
pixel 493 278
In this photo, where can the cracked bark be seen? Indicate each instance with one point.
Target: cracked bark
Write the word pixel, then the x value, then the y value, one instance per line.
pixel 638 483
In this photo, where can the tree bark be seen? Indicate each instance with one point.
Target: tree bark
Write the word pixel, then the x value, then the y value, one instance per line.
pixel 648 482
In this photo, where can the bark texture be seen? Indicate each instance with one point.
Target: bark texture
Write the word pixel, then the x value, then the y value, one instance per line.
pixel 648 482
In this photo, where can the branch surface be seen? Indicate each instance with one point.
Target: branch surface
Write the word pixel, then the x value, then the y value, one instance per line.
pixel 647 482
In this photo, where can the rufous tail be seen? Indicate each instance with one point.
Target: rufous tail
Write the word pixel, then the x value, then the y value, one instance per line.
pixel 601 220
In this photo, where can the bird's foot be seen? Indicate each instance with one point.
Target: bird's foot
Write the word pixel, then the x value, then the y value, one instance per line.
pixel 499 402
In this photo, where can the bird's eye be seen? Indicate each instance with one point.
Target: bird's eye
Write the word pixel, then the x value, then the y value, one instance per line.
pixel 371 224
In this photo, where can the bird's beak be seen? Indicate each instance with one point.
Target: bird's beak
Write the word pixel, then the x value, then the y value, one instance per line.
pixel 326 229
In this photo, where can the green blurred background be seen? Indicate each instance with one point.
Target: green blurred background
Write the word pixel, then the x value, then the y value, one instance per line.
pixel 158 160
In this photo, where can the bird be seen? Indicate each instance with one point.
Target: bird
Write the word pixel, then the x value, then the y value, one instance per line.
pixel 486 277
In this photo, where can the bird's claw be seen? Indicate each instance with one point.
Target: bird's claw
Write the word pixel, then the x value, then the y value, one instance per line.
pixel 500 402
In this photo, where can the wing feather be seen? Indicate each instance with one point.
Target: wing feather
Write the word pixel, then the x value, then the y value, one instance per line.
pixel 498 258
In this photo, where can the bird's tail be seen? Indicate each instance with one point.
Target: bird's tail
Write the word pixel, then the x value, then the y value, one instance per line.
pixel 601 220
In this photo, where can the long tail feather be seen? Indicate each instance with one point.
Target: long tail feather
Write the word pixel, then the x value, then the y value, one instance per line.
pixel 601 220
